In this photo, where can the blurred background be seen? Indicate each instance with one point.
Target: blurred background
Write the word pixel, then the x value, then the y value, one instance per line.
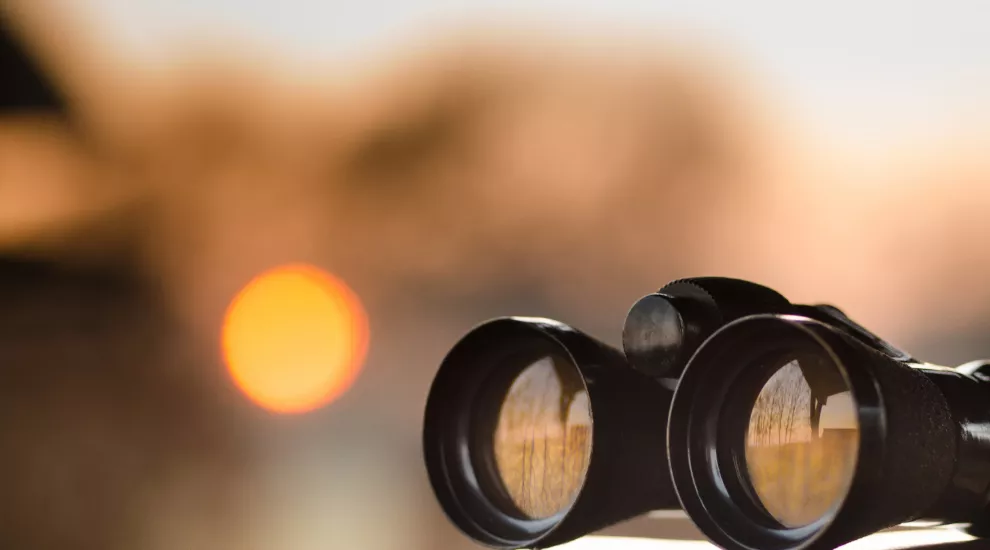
pixel 237 238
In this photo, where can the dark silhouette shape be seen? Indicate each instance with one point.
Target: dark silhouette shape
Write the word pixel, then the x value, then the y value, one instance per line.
pixel 23 85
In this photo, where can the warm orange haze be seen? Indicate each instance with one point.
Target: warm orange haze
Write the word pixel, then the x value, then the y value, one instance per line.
pixel 275 203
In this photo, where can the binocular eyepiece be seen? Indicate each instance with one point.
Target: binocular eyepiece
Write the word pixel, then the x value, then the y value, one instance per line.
pixel 772 425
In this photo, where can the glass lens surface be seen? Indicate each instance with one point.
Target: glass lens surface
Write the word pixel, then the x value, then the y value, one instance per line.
pixel 542 438
pixel 802 441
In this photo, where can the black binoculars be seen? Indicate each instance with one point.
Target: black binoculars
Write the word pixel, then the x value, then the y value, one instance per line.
pixel 774 426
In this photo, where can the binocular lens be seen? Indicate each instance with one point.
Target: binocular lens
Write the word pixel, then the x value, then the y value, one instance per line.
pixel 537 435
pixel 790 433
pixel 802 441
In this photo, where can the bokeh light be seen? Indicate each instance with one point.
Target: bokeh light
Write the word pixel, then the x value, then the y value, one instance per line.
pixel 295 339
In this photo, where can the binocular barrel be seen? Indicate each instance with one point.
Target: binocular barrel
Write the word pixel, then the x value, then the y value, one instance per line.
pixel 788 433
pixel 791 427
pixel 536 434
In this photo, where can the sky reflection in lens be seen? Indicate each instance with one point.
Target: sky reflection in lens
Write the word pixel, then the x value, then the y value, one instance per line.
pixel 542 440
pixel 802 442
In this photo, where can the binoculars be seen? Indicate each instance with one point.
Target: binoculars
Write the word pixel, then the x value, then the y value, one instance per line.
pixel 774 426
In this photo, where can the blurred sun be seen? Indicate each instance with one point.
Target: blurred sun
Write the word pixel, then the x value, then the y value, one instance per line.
pixel 295 339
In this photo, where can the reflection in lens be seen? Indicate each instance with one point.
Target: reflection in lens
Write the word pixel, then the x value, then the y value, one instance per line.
pixel 542 439
pixel 802 441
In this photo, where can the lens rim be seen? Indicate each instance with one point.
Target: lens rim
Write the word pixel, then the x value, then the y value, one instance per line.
pixel 707 474
pixel 462 379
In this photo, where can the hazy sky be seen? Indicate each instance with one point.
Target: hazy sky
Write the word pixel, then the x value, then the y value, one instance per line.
pixel 891 63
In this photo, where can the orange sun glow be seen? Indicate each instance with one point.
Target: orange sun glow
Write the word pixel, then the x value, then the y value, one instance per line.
pixel 295 339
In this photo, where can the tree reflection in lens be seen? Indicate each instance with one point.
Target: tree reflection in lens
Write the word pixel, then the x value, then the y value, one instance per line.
pixel 542 441
pixel 802 442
